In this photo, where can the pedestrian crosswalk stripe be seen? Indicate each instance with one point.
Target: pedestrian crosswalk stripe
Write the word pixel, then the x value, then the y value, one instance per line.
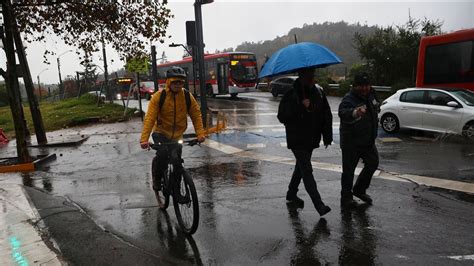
pixel 335 125
pixel 283 144
pixel 254 131
pixel 278 129
pixel 422 180
pixel 256 145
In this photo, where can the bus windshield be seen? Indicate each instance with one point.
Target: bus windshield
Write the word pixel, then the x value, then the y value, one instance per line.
pixel 244 71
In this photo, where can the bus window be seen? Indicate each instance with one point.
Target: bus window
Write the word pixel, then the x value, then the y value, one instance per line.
pixel 449 63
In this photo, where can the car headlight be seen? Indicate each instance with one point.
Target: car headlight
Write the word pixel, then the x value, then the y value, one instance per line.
pixel 119 96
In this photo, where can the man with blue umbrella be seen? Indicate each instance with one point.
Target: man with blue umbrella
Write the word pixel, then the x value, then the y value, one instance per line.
pixel 305 112
pixel 307 116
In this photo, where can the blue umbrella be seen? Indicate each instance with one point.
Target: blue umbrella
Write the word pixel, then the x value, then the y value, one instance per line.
pixel 296 56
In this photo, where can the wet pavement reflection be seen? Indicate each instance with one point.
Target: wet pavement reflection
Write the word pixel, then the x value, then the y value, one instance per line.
pixel 243 217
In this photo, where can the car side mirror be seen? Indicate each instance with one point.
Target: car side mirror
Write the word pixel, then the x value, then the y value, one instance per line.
pixel 453 104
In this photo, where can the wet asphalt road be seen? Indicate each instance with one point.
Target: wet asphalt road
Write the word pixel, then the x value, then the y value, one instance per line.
pixel 98 208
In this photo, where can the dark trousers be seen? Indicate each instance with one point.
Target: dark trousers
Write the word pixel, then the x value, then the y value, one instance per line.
pixel 304 170
pixel 350 159
pixel 161 160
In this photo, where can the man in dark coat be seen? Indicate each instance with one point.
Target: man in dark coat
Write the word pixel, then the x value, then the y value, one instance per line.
pixel 358 131
pixel 306 114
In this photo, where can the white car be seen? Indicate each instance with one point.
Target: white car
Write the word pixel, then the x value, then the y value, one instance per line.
pixel 97 93
pixel 437 110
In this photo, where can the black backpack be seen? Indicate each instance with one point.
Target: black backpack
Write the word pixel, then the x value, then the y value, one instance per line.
pixel 187 96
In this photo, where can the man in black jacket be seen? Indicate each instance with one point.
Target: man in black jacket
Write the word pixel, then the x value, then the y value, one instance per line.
pixel 306 114
pixel 358 131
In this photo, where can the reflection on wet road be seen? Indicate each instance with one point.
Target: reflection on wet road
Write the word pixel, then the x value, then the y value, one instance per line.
pixel 244 217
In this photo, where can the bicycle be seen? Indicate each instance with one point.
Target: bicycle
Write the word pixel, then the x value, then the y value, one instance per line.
pixel 178 184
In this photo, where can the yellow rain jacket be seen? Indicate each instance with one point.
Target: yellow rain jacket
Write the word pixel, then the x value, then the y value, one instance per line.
pixel 171 120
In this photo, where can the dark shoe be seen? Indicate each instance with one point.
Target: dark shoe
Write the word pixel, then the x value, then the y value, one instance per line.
pixel 295 200
pixel 348 202
pixel 364 197
pixel 323 209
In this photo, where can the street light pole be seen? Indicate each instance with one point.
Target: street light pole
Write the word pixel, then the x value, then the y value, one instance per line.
pixel 39 84
pixel 106 74
pixel 200 56
pixel 61 88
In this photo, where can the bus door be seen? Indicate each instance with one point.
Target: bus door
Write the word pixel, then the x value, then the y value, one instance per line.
pixel 222 83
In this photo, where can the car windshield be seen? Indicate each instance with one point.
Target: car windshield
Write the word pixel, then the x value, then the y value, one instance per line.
pixel 147 84
pixel 466 96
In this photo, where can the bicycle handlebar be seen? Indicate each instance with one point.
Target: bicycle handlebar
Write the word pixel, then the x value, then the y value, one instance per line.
pixel 189 142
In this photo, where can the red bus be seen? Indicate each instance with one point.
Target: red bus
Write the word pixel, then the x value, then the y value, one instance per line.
pixel 447 60
pixel 226 73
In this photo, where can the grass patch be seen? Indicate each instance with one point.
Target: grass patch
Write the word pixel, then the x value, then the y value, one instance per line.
pixel 67 113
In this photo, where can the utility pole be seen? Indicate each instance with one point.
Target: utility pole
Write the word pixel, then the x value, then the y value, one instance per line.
pixel 106 74
pixel 154 69
pixel 13 86
pixel 200 56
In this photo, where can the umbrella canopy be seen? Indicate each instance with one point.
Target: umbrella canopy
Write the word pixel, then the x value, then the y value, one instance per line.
pixel 296 56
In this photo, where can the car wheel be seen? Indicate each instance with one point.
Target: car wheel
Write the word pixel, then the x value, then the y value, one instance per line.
pixel 233 95
pixel 274 93
pixel 468 130
pixel 148 96
pixel 390 123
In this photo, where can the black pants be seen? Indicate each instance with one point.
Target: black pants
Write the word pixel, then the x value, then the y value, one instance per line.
pixel 161 160
pixel 304 170
pixel 350 159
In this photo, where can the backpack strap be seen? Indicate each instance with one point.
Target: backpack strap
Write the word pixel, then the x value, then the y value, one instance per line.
pixel 187 97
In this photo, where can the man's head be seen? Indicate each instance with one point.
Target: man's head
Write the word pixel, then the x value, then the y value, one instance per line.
pixel 306 76
pixel 175 78
pixel 361 84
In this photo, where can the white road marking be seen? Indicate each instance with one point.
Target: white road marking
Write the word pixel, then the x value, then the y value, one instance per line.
pixel 278 129
pixel 256 145
pixel 389 140
pixel 461 258
pixel 254 131
pixel 283 144
pixel 422 180
pixel 335 125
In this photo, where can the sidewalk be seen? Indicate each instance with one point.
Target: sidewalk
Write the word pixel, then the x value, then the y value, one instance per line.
pixel 20 242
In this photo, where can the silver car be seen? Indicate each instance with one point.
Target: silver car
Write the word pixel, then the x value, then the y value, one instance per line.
pixel 430 109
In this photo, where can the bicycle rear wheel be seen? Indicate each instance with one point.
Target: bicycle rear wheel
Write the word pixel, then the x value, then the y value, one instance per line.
pixel 185 203
pixel 163 195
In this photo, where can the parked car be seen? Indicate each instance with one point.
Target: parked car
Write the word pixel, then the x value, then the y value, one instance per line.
pixel 98 94
pixel 147 88
pixel 429 109
pixel 281 85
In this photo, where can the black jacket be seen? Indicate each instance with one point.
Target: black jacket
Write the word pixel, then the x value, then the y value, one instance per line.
pixel 304 128
pixel 358 133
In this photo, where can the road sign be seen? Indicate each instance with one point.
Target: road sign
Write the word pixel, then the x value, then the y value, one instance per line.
pixel 137 65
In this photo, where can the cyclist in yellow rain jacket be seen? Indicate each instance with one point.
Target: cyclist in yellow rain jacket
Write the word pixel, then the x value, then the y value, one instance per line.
pixel 170 121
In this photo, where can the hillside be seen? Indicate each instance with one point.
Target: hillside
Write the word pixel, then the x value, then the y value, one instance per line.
pixel 336 36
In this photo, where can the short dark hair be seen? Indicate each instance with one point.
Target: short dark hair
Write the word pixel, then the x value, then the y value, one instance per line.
pixel 361 79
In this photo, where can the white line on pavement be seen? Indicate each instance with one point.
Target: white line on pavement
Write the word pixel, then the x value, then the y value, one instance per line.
pixel 461 258
pixel 422 180
pixel 335 125
pixel 256 145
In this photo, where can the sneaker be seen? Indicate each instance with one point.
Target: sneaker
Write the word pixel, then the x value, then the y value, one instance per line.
pixel 364 197
pixel 295 200
pixel 323 209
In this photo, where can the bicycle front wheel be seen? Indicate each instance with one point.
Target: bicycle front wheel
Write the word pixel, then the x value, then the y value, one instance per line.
pixel 185 203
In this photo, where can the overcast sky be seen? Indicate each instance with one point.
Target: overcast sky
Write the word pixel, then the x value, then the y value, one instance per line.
pixel 228 23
